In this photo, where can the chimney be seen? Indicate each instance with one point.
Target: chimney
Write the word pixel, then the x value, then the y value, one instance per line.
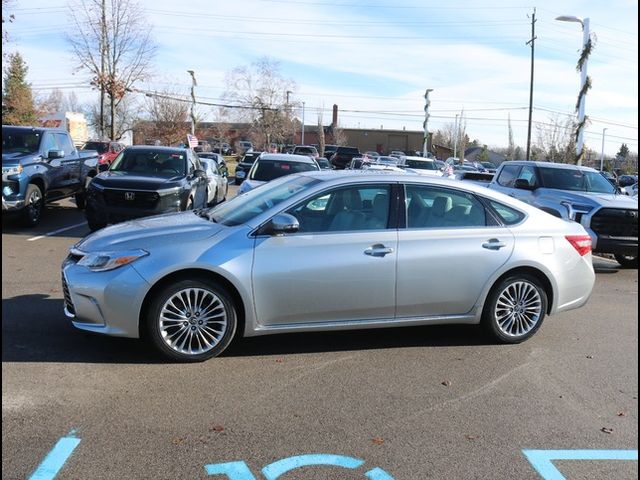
pixel 334 120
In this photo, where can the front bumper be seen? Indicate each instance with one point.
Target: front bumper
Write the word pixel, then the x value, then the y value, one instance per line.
pixel 11 205
pixel 617 246
pixel 103 302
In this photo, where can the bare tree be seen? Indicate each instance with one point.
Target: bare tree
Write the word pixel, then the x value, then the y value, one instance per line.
pixel 511 149
pixel 6 18
pixel 112 41
pixel 167 119
pixel 321 141
pixel 555 140
pixel 50 104
pixel 261 95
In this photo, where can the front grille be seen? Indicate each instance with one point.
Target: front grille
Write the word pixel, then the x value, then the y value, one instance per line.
pixel 616 222
pixel 123 198
pixel 67 297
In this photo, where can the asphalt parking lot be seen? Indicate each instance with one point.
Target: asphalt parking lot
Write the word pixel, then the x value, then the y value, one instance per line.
pixel 405 403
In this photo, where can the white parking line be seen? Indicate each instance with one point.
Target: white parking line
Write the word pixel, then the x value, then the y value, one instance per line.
pixel 32 239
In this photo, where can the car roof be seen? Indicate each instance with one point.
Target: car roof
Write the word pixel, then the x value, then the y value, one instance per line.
pixel 158 148
pixel 287 157
pixel 419 159
pixel 567 166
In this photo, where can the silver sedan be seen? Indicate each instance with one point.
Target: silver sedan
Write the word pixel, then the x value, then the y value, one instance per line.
pixel 385 248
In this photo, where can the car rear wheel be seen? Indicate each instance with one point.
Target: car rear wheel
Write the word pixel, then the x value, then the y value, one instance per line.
pixel 515 308
pixel 627 261
pixel 191 320
pixel 34 203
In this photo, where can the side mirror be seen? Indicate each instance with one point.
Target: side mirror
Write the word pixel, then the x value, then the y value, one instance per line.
pixel 281 224
pixel 199 173
pixel 51 154
pixel 103 167
pixel 523 184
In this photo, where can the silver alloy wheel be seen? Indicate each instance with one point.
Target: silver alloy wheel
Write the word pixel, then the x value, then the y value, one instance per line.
pixel 192 321
pixel 518 309
pixel 34 204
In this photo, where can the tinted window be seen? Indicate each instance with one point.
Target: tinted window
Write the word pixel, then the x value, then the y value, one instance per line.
pixel 508 215
pixel 353 208
pixel 100 147
pixel 64 142
pixel 528 173
pixel 508 174
pixel 421 165
pixel 149 162
pixel 576 180
pixel 250 158
pixel 432 207
pixel 266 170
pixel 18 140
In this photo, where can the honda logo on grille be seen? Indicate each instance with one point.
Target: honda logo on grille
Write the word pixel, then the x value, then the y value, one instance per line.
pixel 129 195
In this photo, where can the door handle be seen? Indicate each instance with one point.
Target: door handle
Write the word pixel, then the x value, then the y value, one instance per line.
pixel 493 244
pixel 378 250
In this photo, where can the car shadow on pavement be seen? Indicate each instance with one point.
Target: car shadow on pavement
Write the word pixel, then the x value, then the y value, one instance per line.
pixel 35 329
pixel 54 217
pixel 371 339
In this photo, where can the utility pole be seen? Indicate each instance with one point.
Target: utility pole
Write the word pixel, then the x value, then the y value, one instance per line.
pixel 602 151
pixel 289 123
pixel 193 101
pixel 532 42
pixel 103 42
pixel 455 137
pixel 427 102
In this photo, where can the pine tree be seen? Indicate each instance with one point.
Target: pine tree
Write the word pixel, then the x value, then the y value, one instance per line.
pixel 17 99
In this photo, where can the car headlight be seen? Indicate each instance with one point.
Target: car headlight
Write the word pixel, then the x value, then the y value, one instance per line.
pixel 16 170
pixel 103 261
pixel 574 210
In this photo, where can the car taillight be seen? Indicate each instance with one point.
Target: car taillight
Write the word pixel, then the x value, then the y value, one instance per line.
pixel 582 243
pixel 102 159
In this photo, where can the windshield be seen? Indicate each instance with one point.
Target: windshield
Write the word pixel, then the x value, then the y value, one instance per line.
pixel 15 140
pixel 576 180
pixel 266 170
pixel 151 162
pixel 244 207
pixel 100 147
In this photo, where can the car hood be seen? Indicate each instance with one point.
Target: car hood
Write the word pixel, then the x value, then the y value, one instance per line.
pixel 606 200
pixel 13 159
pixel 172 228
pixel 131 180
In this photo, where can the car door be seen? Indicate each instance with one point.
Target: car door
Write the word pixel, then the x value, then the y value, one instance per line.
pixel 56 173
pixel 71 164
pixel 505 180
pixel 339 267
pixel 448 250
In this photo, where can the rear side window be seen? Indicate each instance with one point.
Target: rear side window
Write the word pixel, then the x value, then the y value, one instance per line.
pixel 508 215
pixel 65 143
pixel 434 207
pixel 508 175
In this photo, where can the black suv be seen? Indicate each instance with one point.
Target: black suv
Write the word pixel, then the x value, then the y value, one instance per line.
pixel 145 181
pixel 243 167
pixel 343 156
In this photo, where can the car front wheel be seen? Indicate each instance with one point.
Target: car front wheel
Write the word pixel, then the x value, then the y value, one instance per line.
pixel 191 320
pixel 34 204
pixel 515 308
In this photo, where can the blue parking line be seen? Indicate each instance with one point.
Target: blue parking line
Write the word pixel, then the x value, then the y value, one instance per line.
pixel 276 469
pixel 541 460
pixel 55 459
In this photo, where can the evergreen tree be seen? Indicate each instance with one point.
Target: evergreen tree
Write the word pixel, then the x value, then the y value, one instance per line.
pixel 17 99
pixel 623 153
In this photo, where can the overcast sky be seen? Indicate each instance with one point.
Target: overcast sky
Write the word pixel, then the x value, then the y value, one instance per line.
pixel 375 58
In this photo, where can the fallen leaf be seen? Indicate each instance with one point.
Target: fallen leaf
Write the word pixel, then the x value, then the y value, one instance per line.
pixel 446 383
pixel 177 441
pixel 606 430
pixel 377 441
pixel 470 437
pixel 589 356
pixel 279 360
pixel 621 414
pixel 216 428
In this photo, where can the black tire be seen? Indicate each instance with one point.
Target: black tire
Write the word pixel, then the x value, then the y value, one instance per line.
pixel 506 316
pixel 33 206
pixel 627 261
pixel 94 221
pixel 182 334
pixel 81 197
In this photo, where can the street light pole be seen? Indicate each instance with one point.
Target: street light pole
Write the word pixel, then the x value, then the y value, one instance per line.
pixel 583 81
pixel 302 139
pixel 602 151
pixel 193 101
pixel 455 137
pixel 532 42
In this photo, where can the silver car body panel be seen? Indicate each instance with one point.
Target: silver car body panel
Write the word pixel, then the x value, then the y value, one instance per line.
pixel 310 282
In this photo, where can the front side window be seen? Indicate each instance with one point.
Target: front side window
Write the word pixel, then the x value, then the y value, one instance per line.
pixel 508 175
pixel 434 207
pixel 355 208
pixel 528 173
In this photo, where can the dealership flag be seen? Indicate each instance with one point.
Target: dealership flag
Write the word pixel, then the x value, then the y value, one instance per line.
pixel 192 140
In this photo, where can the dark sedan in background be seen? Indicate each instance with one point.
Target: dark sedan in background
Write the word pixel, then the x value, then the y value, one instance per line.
pixel 145 181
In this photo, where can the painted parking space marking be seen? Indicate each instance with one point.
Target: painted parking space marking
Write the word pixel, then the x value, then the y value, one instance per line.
pixel 56 458
pixel 55 232
pixel 240 471
pixel 542 460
